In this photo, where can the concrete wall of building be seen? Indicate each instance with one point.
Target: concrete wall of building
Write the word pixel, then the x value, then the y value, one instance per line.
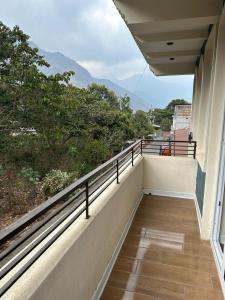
pixel 208 118
pixel 204 100
pixel 167 175
pixel 180 122
pixel 72 268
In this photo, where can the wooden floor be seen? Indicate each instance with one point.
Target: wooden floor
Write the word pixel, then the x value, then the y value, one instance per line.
pixel 163 257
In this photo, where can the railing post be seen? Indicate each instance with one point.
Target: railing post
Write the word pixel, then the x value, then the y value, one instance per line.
pixel 170 152
pixel 132 156
pixel 141 147
pixel 160 150
pixel 117 171
pixel 195 146
pixel 87 200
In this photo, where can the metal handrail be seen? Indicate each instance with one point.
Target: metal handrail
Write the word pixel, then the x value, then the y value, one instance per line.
pixel 24 221
pixel 174 147
pixel 87 190
pixel 105 174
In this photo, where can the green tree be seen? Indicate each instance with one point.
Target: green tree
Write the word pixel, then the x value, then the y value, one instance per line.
pixel 102 93
pixel 143 126
pixel 164 116
pixel 166 124
pixel 50 131
pixel 125 104
pixel 173 103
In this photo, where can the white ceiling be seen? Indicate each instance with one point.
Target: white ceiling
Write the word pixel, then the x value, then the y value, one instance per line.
pixel 170 33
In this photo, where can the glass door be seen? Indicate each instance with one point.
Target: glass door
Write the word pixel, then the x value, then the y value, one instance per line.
pixel 219 219
pixel 221 231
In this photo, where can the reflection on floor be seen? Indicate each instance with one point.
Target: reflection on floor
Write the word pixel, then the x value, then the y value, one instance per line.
pixel 163 257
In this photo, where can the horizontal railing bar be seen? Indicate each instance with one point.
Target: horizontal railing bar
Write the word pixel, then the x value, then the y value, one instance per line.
pixel 175 144
pixel 100 176
pixel 128 160
pixel 35 213
pixel 39 239
pixel 180 154
pixel 102 190
pixel 124 167
pixel 48 231
pixel 28 218
pixel 127 163
pixel 167 141
pixel 125 158
pixel 35 228
pixel 27 265
pixel 172 150
pixel 156 152
pixel 128 156
pixel 98 187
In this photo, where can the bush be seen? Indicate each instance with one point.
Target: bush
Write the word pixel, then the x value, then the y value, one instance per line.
pixel 30 175
pixel 55 181
pixel 18 192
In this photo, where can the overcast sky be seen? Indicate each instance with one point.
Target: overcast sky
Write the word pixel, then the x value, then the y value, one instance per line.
pixel 88 31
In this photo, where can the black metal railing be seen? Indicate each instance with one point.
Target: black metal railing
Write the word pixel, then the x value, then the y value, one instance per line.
pixel 169 148
pixel 36 227
pixel 33 228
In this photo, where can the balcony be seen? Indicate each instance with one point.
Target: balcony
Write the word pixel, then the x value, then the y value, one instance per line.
pixel 163 256
pixel 67 247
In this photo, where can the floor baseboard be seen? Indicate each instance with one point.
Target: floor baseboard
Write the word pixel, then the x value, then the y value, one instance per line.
pixel 169 194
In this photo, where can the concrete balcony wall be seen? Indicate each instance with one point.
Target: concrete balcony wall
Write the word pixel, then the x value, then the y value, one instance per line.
pixel 209 110
pixel 73 266
pixel 78 264
pixel 170 176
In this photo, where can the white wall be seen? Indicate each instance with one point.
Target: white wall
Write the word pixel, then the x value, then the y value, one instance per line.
pixel 175 176
pixel 215 132
pixel 208 118
pixel 73 266
pixel 180 122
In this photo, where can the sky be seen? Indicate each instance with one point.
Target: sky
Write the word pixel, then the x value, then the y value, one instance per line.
pixel 89 31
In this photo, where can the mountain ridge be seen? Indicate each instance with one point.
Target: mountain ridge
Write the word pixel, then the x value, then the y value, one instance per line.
pixel 150 92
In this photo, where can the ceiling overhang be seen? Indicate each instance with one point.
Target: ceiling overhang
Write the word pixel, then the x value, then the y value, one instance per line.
pixel 170 33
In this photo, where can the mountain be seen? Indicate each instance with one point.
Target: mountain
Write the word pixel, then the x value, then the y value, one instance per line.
pixel 136 101
pixel 144 91
pixel 60 63
pixel 157 90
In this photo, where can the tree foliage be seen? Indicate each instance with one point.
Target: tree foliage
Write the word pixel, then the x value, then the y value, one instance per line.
pixel 164 116
pixel 53 132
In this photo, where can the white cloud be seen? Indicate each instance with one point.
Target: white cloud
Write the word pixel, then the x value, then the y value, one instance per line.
pixel 88 31
pixel 105 15
pixel 85 30
pixel 121 70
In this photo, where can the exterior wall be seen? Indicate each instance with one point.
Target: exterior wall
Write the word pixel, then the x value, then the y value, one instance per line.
pixel 181 122
pixel 215 132
pixel 74 265
pixel 172 176
pixel 182 117
pixel 197 99
pixel 206 70
pixel 208 119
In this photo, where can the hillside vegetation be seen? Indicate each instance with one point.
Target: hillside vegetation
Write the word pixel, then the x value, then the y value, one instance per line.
pixel 51 132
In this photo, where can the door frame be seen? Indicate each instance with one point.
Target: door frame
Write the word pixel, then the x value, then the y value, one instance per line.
pixel 220 201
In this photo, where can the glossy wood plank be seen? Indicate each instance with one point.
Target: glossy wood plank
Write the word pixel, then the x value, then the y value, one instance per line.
pixel 163 257
pixel 112 293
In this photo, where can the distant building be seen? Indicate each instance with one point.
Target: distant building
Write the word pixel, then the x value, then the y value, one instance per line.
pixel 182 117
